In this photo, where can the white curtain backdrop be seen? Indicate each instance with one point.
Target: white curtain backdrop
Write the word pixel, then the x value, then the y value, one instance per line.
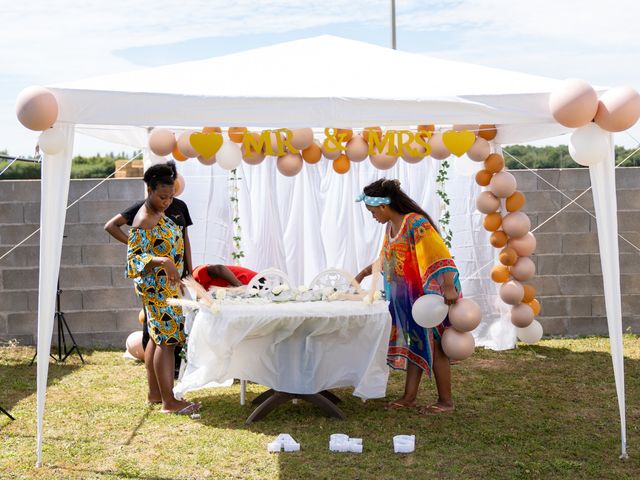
pixel 308 223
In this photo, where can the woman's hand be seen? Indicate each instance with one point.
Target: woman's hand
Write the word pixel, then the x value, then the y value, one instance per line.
pixel 450 294
pixel 172 271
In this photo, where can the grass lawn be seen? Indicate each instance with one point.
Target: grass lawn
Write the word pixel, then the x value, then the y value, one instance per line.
pixel 548 411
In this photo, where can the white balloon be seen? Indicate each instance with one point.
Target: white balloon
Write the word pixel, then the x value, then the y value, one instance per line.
pixel 229 156
pixel 52 141
pixel 531 334
pixel 589 145
pixel 429 310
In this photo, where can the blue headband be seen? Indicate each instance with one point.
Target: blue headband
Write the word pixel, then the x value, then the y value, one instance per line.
pixel 373 201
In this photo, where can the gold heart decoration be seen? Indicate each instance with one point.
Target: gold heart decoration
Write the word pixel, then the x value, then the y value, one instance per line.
pixel 458 143
pixel 206 144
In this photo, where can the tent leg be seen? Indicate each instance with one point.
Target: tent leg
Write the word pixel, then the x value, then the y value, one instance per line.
pixel 603 181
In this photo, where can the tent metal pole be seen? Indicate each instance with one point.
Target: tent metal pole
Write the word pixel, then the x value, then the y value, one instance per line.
pixel 393 24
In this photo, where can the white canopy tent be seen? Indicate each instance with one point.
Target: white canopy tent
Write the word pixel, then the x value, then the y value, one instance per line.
pixel 318 82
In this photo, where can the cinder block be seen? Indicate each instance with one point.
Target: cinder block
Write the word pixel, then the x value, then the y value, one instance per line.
pixel 582 199
pixel 544 201
pixel 580 285
pixel 29 256
pixel 3 324
pixel 85 233
pixel 630 305
pixel 102 339
pixel 13 234
pixel 527 181
pixel 629 199
pixel 628 221
pixel 11 213
pixel 32 214
pixel 127 320
pixel 565 306
pixel 105 254
pixel 570 222
pixel 20 339
pixel 101 212
pixel 548 243
pixel 92 321
pixel 14 301
pixel 22 323
pixel 548 179
pixel 118 278
pixel 20 191
pixel 574 179
pixel 129 190
pixel 627 177
pixel 629 263
pixel 559 264
pixel 579 242
pixel 69 300
pixel 99 299
pixel 78 188
pixel 553 326
pixel 85 277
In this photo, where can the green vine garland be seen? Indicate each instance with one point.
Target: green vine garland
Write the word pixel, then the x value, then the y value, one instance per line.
pixel 445 218
pixel 237 253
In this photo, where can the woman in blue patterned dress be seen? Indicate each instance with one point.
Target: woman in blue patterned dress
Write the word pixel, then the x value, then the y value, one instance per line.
pixel 155 257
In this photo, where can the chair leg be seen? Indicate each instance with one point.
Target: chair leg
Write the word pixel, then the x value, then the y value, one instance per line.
pixel 243 391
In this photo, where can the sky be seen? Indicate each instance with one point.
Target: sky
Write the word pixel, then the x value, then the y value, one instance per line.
pixel 48 42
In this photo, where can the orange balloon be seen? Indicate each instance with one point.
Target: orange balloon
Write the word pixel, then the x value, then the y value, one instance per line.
pixel 498 239
pixel 367 130
pixel 426 130
pixel 535 306
pixel 345 134
pixel 516 201
pixel 492 222
pixel 529 293
pixel 488 132
pixel 483 178
pixel 312 154
pixel 500 274
pixel 342 164
pixel 508 257
pixel 236 134
pixel 494 163
pixel 211 130
pixel 177 154
pixel 141 316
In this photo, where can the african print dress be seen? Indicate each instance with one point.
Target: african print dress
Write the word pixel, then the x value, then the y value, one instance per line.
pixel 413 264
pixel 166 322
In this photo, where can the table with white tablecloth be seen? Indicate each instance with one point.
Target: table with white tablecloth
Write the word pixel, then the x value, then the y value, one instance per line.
pixel 294 347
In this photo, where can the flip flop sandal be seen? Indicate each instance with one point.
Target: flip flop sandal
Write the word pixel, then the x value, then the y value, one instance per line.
pixel 188 410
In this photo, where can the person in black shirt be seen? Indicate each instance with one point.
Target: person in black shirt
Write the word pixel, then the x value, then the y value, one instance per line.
pixel 178 212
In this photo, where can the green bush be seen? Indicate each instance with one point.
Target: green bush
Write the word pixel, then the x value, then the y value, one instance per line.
pixel 98 166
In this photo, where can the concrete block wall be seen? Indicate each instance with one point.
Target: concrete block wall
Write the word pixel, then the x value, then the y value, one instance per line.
pixel 102 309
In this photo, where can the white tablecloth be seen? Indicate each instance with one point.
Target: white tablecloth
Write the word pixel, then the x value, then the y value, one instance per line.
pixel 294 347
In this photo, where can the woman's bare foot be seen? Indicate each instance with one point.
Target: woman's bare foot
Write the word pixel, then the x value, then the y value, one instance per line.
pixel 437 408
pixel 400 404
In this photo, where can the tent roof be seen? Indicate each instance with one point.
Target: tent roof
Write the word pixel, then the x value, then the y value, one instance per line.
pixel 318 82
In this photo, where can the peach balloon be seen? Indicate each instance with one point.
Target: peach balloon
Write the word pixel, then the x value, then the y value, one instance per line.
pixel 487 131
pixel 470 127
pixel 525 245
pixel 503 184
pixel 236 134
pixel 457 345
pixel 508 256
pixel 341 164
pixel 382 160
pixel 494 163
pixel 161 141
pixel 178 155
pixel 524 269
pixel 480 150
pixel 487 202
pixel 483 178
pixel 289 164
pixel 500 274
pixel 312 154
pixel 618 109
pixel 184 144
pixel 492 222
pixel 211 130
pixel 357 149
pixel 37 108
pixel 249 155
pixel 516 224
pixel 345 134
pixel 438 149
pixel 206 161
pixel 511 292
pixel 515 202
pixel 498 239
pixel 301 138
pixel 535 306
pixel 178 185
pixel 522 315
pixel 329 155
pixel 415 147
pixel 529 293
pixel 574 103
pixel 368 130
pixel 426 128
pixel 465 315
pixel 134 345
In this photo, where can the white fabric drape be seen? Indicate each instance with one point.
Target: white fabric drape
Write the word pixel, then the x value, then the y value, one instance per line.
pixel 308 223
pixel 56 172
pixel 603 181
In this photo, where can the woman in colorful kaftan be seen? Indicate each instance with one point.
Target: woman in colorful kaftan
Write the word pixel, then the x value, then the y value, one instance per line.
pixel 155 257
pixel 415 261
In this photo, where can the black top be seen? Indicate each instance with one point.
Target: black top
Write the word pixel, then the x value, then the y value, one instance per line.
pixel 178 212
